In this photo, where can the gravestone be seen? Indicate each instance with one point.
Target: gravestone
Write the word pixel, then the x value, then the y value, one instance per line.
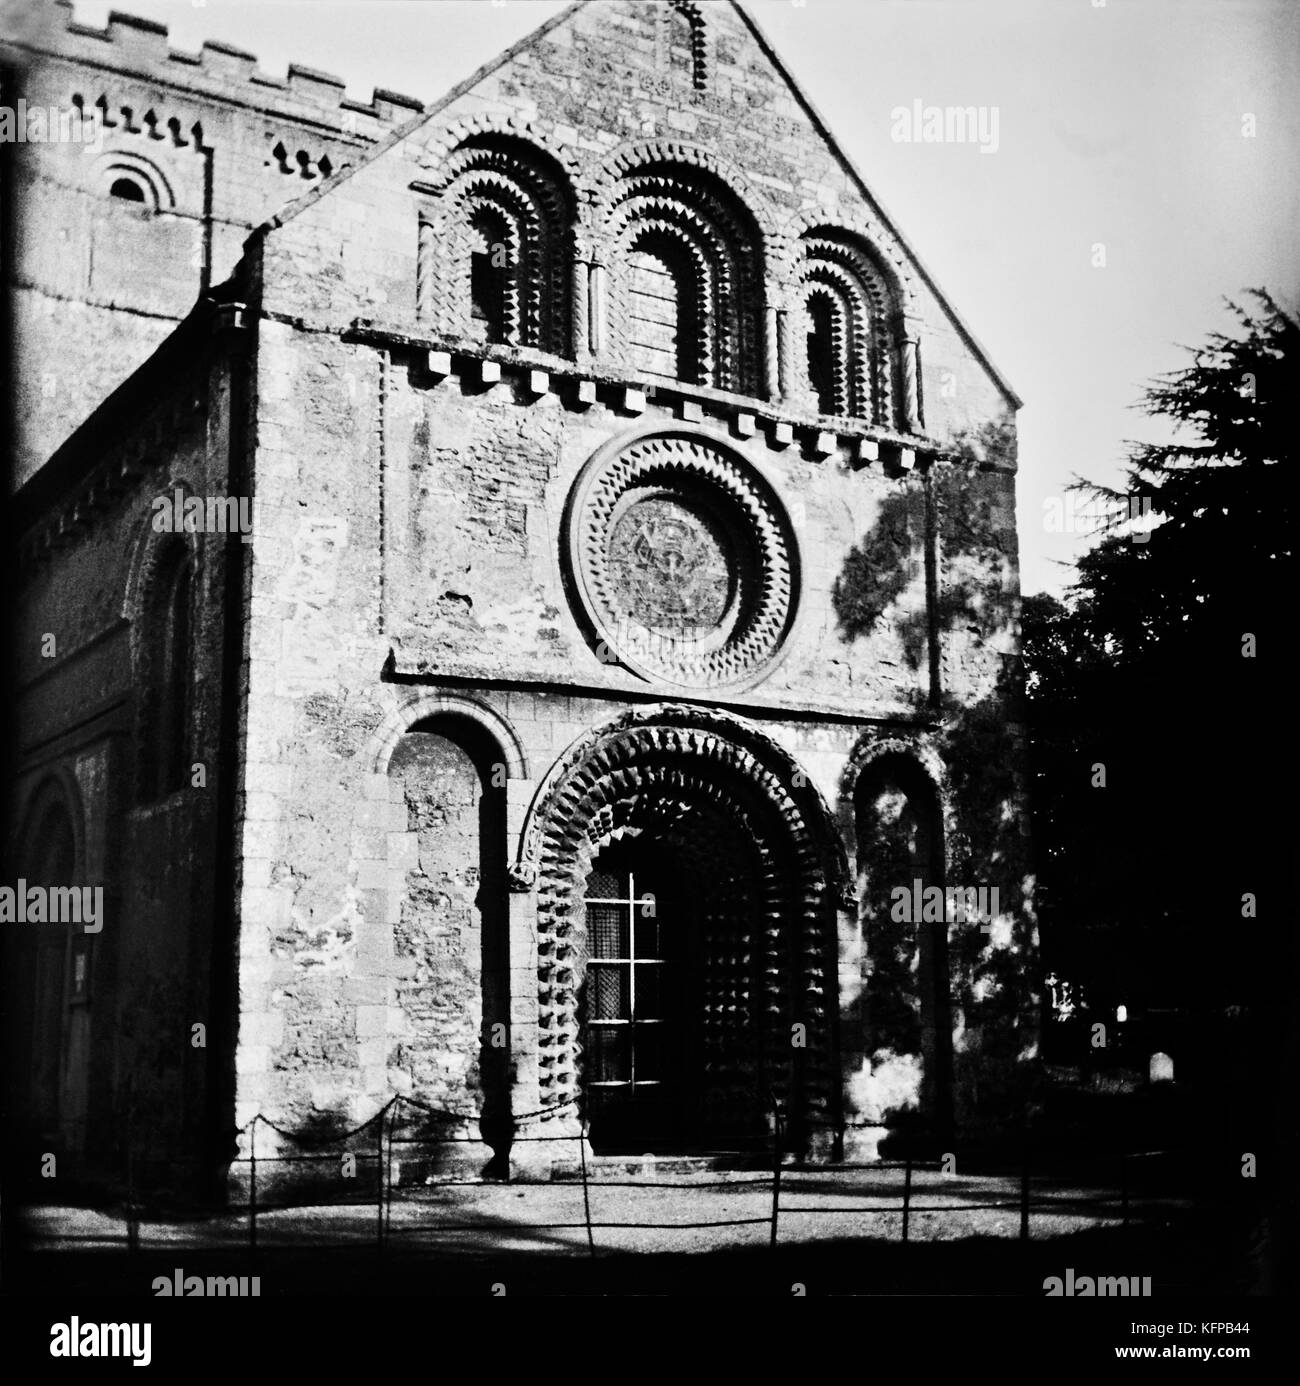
pixel 1162 1068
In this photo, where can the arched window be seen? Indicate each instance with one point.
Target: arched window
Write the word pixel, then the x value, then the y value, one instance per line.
pixel 848 310
pixel 683 39
pixel 133 182
pixel 167 695
pixel 495 256
pixel 491 275
pixel 663 310
pixel 825 348
pixel 685 286
pixel 127 190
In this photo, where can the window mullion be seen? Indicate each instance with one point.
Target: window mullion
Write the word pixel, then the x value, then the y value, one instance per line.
pixel 631 978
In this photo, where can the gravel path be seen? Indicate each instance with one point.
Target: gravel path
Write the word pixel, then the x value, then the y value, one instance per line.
pixel 816 1205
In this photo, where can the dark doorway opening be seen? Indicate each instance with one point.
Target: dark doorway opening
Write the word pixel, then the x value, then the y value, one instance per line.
pixel 638 998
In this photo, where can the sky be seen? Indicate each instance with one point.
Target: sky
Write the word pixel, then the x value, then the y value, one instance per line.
pixel 1165 131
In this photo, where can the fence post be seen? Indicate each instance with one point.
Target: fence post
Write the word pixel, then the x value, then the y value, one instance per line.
pixel 1024 1193
pixel 1123 1185
pixel 388 1182
pixel 586 1193
pixel 252 1186
pixel 132 1223
pixel 907 1196
pixel 776 1170
pixel 379 1180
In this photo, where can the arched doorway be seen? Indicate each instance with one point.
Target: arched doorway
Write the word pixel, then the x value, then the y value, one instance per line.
pixel 452 919
pixel 906 1001
pixel 682 1027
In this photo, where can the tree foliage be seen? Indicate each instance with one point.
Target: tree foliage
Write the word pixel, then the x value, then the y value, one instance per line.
pixel 1165 667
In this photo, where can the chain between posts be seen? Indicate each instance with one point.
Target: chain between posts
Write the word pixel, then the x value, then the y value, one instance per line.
pixel 387 1179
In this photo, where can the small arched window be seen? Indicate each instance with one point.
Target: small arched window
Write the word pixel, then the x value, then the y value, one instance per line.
pixel 825 338
pixel 128 190
pixel 491 275
pixel 683 37
pixel 495 252
pixel 848 308
pixel 128 181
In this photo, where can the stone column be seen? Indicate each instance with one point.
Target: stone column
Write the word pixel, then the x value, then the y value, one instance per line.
pixel 424 257
pixel 795 389
pixel 909 375
pixel 771 350
pixel 598 306
pixel 522 960
pixel 580 310
pixel 530 1157
pixel 785 353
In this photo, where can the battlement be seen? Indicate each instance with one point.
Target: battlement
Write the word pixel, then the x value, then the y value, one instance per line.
pixel 207 139
pixel 138 47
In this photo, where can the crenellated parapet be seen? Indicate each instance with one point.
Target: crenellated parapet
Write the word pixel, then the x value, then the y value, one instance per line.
pixel 155 164
pixel 129 46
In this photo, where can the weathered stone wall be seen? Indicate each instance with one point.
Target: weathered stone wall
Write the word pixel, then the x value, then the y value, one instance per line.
pixel 218 146
pixel 413 490
pixel 86 631
pixel 419 655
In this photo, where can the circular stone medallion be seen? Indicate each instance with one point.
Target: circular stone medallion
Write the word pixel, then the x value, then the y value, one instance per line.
pixel 683 561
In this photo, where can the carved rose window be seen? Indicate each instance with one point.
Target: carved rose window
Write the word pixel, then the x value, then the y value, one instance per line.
pixel 683 562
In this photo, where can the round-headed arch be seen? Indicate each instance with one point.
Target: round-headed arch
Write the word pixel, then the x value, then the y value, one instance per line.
pixel 57 793
pixel 871 238
pixel 152 190
pixel 685 728
pixel 645 155
pixel 922 760
pixel 756 840
pixel 427 704
pixel 449 139
pixel 153 551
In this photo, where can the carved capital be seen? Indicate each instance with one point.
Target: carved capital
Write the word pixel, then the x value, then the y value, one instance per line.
pixel 522 876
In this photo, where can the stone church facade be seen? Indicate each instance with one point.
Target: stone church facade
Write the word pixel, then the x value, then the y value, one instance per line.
pixel 625 623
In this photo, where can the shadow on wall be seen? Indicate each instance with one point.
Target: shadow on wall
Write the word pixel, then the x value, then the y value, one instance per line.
pixel 454 919
pixel 974 549
pixel 945 1017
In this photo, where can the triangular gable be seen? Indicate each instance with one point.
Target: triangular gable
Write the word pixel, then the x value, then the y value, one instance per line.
pixel 431 113
pixel 824 130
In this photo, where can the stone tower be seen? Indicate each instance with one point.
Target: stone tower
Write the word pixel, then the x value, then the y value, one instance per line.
pixel 621 653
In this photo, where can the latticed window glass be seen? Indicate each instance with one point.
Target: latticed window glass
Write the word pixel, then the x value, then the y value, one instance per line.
pixel 626 984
